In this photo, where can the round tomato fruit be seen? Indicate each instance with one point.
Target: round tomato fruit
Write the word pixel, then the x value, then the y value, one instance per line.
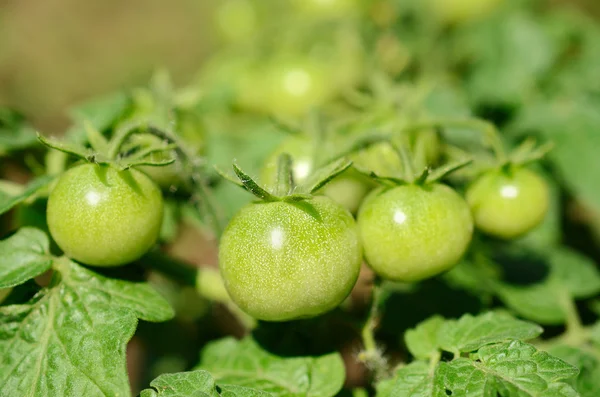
pixel 283 261
pixel 412 232
pixel 104 217
pixel 508 204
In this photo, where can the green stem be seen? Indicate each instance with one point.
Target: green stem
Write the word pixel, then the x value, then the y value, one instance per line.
pixel 372 319
pixel 121 137
pixel 202 196
pixel 434 361
pixel 285 179
pixel 371 355
pixel 575 331
pixel 406 159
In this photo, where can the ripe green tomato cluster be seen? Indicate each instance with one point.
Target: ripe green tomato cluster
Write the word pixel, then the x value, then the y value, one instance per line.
pixel 281 262
pixel 104 217
pixel 508 204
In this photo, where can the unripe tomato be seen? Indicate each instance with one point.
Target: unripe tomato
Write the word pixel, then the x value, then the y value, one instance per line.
pixel 285 86
pixel 411 232
pixel 104 217
pixel 280 263
pixel 508 204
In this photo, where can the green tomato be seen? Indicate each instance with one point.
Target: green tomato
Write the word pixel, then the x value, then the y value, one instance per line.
pixel 279 262
pixel 508 205
pixel 411 232
pixel 285 86
pixel 348 189
pixel 104 217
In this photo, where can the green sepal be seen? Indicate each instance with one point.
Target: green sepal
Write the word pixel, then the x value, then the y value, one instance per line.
pixel 145 162
pixel 73 149
pixel 97 140
pixel 324 175
pixel 527 152
pixel 443 171
pixel 384 180
pixel 253 187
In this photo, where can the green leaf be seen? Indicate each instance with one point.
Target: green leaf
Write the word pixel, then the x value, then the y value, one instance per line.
pixel 572 125
pixel 510 369
pixel 570 273
pixel 245 363
pixel 73 149
pixel 470 333
pixel 24 256
pixel 7 201
pixel 70 339
pixel 251 186
pixel 15 134
pixel 422 341
pixel 101 112
pixel 509 53
pixel 413 380
pixel 586 383
pixel 195 384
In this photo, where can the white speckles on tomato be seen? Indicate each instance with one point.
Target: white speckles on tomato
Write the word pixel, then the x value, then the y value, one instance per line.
pixel 410 233
pixel 279 263
pixel 101 216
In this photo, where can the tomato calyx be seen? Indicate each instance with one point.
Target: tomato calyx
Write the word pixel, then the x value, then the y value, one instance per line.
pixel 106 152
pixel 286 189
pixel 410 175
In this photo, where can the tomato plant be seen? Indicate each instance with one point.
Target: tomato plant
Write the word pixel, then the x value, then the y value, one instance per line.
pixel 412 208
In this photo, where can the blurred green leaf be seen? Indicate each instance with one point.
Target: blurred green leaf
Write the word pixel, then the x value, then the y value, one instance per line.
pixel 15 133
pixel 7 201
pixel 570 273
pixel 586 383
pixel 508 54
pixel 101 112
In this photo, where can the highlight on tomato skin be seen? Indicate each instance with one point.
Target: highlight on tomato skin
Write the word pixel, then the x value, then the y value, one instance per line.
pixel 508 204
pixel 281 262
pixel 104 217
pixel 411 232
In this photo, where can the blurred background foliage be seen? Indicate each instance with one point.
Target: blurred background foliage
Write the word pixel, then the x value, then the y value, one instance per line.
pixel 55 53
